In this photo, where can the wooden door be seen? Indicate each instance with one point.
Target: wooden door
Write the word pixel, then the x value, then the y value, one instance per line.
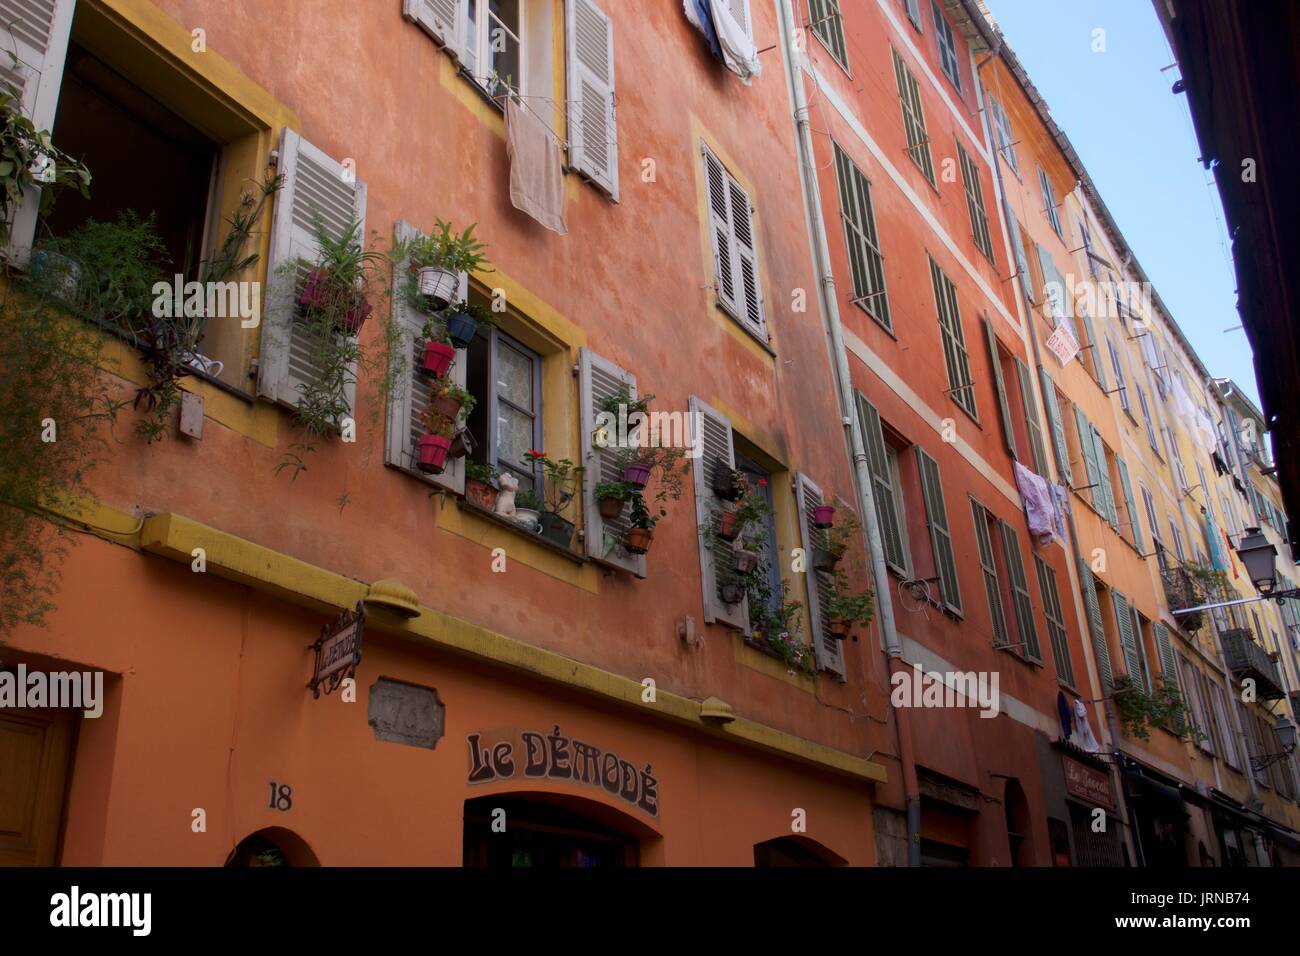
pixel 35 746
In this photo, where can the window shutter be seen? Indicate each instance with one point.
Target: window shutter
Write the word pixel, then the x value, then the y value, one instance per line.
pixel 1103 476
pixel 1128 638
pixel 1165 648
pixel 1033 423
pixel 715 444
pixel 1100 649
pixel 720 216
pixel 1020 592
pixel 995 358
pixel 882 485
pixel 988 564
pixel 1130 506
pixel 410 394
pixel 821 586
pixel 936 516
pixel 444 20
pixel 593 127
pixel 1055 620
pixel 1022 261
pixel 34 35
pixel 1083 428
pixel 748 288
pixel 1057 425
pixel 600 379
pixel 1098 366
pixel 313 183
pixel 734 252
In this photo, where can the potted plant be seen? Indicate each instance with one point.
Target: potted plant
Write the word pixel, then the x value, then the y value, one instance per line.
pixel 438 353
pixel 463 323
pixel 438 259
pixel 846 609
pixel 612 497
pixel 727 482
pixel 431 455
pixel 751 509
pixel 335 286
pixel 559 485
pixel 528 507
pixel 823 516
pixel 480 487
pixel 449 400
pixel 642 531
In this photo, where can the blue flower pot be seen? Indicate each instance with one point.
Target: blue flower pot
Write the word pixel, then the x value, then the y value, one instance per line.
pixel 461 328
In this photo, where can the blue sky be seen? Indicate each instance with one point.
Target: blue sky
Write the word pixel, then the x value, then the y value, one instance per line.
pixel 1136 139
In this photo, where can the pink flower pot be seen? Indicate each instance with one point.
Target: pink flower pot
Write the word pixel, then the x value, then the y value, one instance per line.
pixel 432 454
pixel 823 516
pixel 438 357
pixel 637 473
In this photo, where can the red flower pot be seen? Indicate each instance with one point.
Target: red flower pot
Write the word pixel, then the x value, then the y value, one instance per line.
pixel 611 508
pixel 840 629
pixel 823 516
pixel 432 456
pixel 728 526
pixel 637 473
pixel 438 357
pixel 639 539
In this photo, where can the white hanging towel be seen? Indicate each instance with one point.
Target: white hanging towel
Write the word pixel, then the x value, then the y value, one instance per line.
pixel 1082 731
pixel 536 168
pixel 738 49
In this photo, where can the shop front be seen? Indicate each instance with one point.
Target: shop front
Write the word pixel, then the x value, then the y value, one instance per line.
pixel 1160 816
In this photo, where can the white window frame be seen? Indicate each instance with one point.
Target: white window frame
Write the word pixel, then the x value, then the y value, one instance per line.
pixel 478 48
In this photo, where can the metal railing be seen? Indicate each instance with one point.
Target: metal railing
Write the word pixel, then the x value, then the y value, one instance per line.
pixel 1245 657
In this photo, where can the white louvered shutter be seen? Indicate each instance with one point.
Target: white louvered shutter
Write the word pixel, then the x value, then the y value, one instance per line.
pixel 35 32
pixel 410 393
pixel 444 20
pixel 735 254
pixel 593 126
pixel 600 379
pixel 715 444
pixel 313 182
pixel 821 585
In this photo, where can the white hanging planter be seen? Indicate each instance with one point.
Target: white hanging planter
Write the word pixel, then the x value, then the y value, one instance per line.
pixel 440 285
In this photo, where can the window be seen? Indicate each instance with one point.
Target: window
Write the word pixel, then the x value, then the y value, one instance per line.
pixel 1088 255
pixel 936 518
pixel 828 26
pixel 1002 135
pixel 1049 201
pixel 988 564
pixel 947 46
pixel 494 55
pixel 1129 625
pixel 918 140
pixel 1033 423
pixel 1193 704
pixel 735 256
pixel 1055 293
pixel 1222 720
pixel 1055 621
pixel 593 125
pixel 1130 507
pixel 1020 594
pixel 769 552
pixel 1153 523
pixel 1146 418
pixel 1121 386
pixel 1093 452
pixel 507 420
pixel 914 12
pixel 999 384
pixel 1178 540
pixel 886 487
pixel 865 260
pixel 1052 402
pixel 1089 354
pixel 956 359
pixel 979 220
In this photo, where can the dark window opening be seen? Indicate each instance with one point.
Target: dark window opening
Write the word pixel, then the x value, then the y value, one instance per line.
pixel 541 836
pixel 786 851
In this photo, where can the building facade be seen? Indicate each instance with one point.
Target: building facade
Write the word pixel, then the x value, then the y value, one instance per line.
pixel 842 249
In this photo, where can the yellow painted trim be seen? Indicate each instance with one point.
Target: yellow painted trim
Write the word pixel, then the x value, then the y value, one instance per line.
pixel 755 659
pixel 96 518
pixel 517 547
pixel 175 537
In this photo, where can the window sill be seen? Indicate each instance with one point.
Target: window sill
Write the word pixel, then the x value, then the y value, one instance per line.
pixel 534 537
pixel 766 651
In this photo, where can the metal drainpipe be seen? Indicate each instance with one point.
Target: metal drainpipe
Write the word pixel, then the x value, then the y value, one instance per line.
pixel 1126 804
pixel 866 493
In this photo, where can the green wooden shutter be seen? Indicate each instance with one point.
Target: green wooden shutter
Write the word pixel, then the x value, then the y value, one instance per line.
pixel 1107 506
pixel 1055 620
pixel 1128 639
pixel 882 486
pixel 1057 425
pixel 1169 667
pixel 936 516
pixel 1100 649
pixel 1098 365
pixel 988 564
pixel 1032 422
pixel 995 359
pixel 1020 592
pixel 1083 428
pixel 1130 506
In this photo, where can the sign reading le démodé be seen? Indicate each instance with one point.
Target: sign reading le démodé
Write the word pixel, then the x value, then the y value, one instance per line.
pixel 496 755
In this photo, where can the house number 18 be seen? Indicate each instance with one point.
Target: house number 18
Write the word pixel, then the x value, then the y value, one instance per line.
pixel 281 796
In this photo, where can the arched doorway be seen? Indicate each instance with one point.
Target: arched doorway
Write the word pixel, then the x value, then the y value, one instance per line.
pixel 795 851
pixel 273 846
pixel 1019 824
pixel 542 830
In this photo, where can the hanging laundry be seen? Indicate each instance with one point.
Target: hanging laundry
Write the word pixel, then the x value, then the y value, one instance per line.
pixel 1217 556
pixel 1082 730
pixel 1066 713
pixel 1039 506
pixel 738 49
pixel 699 16
pixel 536 167
pixel 1061 501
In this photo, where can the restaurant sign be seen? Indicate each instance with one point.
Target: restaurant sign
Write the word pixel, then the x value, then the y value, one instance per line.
pixel 1088 783
pixel 511 754
pixel 338 651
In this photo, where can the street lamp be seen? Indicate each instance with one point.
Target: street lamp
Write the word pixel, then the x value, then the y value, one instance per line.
pixel 1259 557
pixel 1285 731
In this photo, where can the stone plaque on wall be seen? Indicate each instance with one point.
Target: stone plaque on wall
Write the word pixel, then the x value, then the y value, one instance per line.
pixel 404 713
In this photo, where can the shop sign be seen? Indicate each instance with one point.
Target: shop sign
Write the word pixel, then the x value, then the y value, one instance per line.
pixel 1087 783
pixel 338 651
pixel 511 754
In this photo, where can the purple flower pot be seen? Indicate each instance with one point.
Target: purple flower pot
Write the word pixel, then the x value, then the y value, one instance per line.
pixel 637 473
pixel 823 516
